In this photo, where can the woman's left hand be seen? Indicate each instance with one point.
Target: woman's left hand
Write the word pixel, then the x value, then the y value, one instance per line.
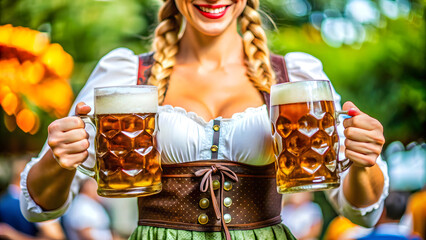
pixel 364 137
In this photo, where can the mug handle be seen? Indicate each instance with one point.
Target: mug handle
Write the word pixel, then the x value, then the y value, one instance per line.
pixel 342 165
pixel 85 169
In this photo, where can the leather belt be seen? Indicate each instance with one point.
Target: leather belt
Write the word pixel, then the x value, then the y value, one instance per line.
pixel 213 196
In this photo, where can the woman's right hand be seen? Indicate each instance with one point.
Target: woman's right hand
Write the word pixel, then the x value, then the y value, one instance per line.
pixel 69 140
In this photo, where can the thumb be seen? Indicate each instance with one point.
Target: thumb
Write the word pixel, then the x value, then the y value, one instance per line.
pixel 351 108
pixel 82 109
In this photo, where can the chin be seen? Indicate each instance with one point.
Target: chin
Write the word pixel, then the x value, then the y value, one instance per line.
pixel 213 29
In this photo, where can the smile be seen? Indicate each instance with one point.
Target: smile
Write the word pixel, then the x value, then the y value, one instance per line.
pixel 212 12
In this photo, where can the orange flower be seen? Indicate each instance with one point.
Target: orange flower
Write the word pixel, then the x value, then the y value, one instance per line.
pixel 5 34
pixel 32 72
pixel 10 103
pixel 58 61
pixel 41 78
pixel 27 121
pixel 30 41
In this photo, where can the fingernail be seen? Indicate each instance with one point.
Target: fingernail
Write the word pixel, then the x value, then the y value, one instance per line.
pixel 353 112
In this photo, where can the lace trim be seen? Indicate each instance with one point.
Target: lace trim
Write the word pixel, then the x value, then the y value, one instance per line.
pixel 33 211
pixel 194 116
pixel 363 211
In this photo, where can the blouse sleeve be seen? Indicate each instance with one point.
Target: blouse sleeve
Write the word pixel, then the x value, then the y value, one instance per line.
pixel 119 67
pixel 301 67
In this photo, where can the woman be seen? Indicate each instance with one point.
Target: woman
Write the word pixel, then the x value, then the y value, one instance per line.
pixel 210 73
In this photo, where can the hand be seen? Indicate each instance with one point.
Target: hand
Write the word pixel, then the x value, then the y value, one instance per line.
pixel 364 137
pixel 68 139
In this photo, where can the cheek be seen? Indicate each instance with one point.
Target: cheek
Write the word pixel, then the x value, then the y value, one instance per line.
pixel 240 6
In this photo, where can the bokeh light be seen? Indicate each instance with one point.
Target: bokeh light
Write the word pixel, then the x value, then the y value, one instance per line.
pixel 33 76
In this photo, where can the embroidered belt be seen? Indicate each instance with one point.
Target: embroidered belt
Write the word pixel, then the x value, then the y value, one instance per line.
pixel 213 196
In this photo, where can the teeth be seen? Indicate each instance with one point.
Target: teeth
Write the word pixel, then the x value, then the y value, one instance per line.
pixel 213 10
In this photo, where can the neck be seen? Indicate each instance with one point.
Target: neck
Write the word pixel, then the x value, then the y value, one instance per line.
pixel 211 51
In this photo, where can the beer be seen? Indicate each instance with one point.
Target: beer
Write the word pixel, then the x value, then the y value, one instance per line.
pixel 127 161
pixel 305 137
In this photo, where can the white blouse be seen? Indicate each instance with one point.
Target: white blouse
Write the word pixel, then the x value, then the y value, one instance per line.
pixel 185 136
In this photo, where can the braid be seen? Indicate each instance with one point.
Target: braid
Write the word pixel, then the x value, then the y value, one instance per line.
pixel 165 46
pixel 259 68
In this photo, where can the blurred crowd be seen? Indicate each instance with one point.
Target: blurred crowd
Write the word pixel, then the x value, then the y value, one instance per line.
pixel 88 217
pixel 93 217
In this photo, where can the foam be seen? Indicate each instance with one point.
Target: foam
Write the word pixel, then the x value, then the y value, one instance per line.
pixel 303 91
pixel 127 103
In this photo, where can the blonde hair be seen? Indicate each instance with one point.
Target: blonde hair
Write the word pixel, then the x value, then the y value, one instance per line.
pixel 166 41
pixel 165 46
pixel 258 63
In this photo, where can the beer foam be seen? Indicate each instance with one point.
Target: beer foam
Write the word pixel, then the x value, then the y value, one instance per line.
pixel 126 103
pixel 303 91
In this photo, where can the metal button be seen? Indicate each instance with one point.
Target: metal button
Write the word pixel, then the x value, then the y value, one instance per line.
pixel 227 217
pixel 203 218
pixel 227 202
pixel 204 203
pixel 216 184
pixel 214 148
pixel 227 186
pixel 216 128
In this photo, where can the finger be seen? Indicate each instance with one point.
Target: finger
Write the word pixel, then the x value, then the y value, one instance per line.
pixel 362 135
pixel 359 135
pixel 359 159
pixel 71 161
pixel 362 147
pixel 82 109
pixel 351 108
pixel 76 147
pixel 74 135
pixel 363 121
pixel 66 124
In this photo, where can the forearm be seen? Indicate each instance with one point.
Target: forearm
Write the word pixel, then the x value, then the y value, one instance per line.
pixel 48 183
pixel 363 186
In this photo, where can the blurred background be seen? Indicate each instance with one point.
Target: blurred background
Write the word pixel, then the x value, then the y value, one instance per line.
pixel 373 52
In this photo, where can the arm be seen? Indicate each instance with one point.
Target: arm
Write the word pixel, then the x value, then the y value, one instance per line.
pixel 46 182
pixel 364 141
pixel 49 180
pixel 367 209
pixel 364 186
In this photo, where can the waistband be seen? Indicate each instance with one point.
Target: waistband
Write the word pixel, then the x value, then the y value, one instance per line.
pixel 213 196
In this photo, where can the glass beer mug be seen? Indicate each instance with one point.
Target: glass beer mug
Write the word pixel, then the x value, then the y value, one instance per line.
pixel 127 162
pixel 306 142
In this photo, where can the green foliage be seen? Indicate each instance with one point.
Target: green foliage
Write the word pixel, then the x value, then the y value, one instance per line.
pixel 385 76
pixel 85 29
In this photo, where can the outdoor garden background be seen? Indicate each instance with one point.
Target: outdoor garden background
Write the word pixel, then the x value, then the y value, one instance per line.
pixel 373 52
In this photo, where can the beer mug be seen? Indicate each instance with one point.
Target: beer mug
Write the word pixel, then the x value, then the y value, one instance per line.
pixel 127 162
pixel 306 142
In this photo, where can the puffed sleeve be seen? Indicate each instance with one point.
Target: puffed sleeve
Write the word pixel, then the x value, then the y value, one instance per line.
pixel 119 67
pixel 302 67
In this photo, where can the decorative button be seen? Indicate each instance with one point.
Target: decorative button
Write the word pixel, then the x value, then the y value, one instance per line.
pixel 227 202
pixel 216 184
pixel 203 218
pixel 214 148
pixel 204 203
pixel 216 128
pixel 227 217
pixel 227 186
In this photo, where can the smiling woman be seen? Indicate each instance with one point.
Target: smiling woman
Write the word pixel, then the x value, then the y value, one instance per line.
pixel 214 132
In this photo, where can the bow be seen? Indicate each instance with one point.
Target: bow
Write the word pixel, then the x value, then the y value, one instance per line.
pixel 207 182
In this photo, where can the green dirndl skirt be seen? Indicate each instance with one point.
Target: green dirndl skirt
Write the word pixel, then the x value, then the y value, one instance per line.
pixel 278 232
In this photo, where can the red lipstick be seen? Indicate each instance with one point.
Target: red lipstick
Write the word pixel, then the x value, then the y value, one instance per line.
pixel 212 11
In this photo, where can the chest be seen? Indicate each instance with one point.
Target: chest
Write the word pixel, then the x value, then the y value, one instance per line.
pixel 212 93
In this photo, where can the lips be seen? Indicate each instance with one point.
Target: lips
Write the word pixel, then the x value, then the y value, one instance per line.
pixel 212 11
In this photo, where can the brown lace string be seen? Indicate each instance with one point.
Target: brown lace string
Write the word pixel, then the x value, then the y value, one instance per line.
pixel 207 182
